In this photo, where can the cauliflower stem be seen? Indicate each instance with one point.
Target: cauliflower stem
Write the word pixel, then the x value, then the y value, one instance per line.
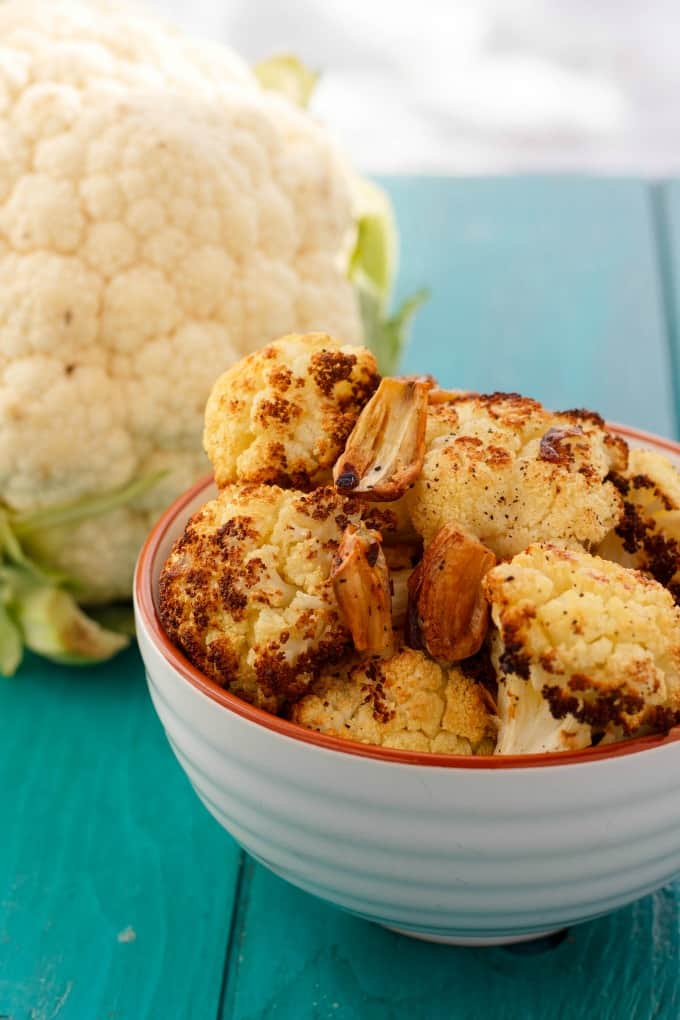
pixel 386 335
pixel 372 269
pixel 527 726
pixel 38 605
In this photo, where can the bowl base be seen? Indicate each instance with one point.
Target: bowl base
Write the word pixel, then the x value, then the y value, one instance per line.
pixel 464 940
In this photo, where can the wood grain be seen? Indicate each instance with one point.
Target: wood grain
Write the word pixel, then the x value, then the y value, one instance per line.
pixel 298 957
pixel 116 886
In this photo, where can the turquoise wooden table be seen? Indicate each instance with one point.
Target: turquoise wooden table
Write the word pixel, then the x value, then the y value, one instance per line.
pixel 121 899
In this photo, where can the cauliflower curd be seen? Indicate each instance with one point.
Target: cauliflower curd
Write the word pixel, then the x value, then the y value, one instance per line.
pixel 284 413
pixel 511 473
pixel 404 701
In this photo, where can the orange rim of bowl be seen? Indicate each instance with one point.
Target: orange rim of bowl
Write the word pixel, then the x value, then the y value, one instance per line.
pixel 144 583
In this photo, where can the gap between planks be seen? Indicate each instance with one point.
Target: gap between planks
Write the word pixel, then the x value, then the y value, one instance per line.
pixel 661 230
pixel 231 960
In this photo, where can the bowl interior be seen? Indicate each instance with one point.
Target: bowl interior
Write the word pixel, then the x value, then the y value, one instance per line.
pixel 156 551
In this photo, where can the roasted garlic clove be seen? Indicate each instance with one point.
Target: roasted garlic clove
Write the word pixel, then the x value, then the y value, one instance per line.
pixel 448 613
pixel 361 583
pixel 385 451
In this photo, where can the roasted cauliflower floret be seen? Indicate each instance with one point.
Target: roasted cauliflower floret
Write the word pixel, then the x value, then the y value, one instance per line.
pixel 511 473
pixel 283 414
pixel 526 724
pixel 246 592
pixel 405 701
pixel 596 641
pixel 648 535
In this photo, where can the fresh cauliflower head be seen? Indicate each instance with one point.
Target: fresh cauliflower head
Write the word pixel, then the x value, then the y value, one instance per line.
pixel 599 643
pixel 161 215
pixel 247 593
pixel 283 414
pixel 648 535
pixel 510 473
pixel 405 701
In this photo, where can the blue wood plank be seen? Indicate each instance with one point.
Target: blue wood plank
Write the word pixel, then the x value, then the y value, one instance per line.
pixel 548 286
pixel 299 959
pixel 116 887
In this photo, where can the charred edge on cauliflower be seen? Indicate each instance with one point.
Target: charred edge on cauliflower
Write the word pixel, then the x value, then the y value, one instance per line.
pixel 516 400
pixel 515 660
pixel 375 695
pixel 553 448
pixel 610 706
pixel 638 533
pixel 328 368
pixel 514 657
pixel 284 682
pixel 320 504
pixel 627 710
pixel 617 445
pixel 524 406
pixel 661 718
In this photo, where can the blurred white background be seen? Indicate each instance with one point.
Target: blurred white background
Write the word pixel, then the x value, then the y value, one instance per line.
pixel 478 87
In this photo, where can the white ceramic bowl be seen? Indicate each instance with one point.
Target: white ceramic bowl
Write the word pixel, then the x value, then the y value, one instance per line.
pixel 450 848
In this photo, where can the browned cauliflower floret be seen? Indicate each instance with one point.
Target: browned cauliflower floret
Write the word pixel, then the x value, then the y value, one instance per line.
pixel 599 643
pixel 511 473
pixel 283 414
pixel 246 591
pixel 405 701
pixel 648 535
pixel 526 724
